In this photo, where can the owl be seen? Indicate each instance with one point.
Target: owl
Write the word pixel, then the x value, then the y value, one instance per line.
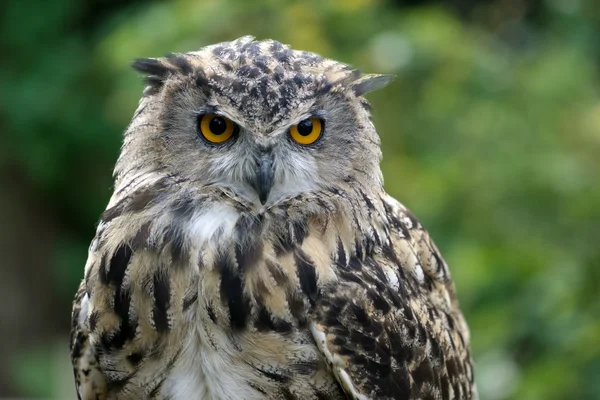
pixel 249 250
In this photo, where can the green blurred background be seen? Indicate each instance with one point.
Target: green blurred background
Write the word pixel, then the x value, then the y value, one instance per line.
pixel 491 134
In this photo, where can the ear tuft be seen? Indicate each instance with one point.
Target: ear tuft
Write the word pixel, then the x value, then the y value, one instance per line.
pixel 157 70
pixel 369 83
pixel 151 66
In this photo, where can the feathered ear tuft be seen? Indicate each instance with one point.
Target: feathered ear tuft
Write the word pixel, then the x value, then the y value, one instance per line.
pixel 157 70
pixel 371 82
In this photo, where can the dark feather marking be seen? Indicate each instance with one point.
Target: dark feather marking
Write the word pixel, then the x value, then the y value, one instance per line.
pixel 201 79
pixel 174 235
pixel 297 308
pixel 379 302
pixel 457 389
pixel 151 66
pixel 248 71
pixel 413 219
pixel 351 277
pixel 462 339
pixel 248 256
pixel 135 358
pixel 155 70
pixel 324 89
pixel 370 243
pixel 117 384
pixel 397 386
pixel 432 314
pixel 283 244
pixel 183 208
pixel 249 248
pixel 368 201
pixel 162 299
pixel 428 283
pixel 156 389
pixel 354 264
pixel 439 264
pixel 274 376
pixel 211 314
pixel 380 276
pixel 396 223
pixel 122 302
pixel 113 212
pixel 393 296
pixel 177 248
pixel 367 343
pixel 117 266
pixel 77 345
pixel 341 254
pixel 140 240
pixel 200 267
pixel 127 325
pixel 307 275
pixel 93 320
pixel 408 314
pixel 299 230
pixel 399 349
pixel 358 249
pixel 424 373
pixel 266 322
pixel 218 50
pixel 445 388
pixel 436 350
pixel 135 202
pixel 181 63
pixel 189 300
pixel 378 241
pixel 288 395
pixel 232 292
pixel 360 315
pixel 390 254
pixel 306 367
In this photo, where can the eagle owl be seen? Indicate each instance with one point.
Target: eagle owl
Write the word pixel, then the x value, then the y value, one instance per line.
pixel 249 250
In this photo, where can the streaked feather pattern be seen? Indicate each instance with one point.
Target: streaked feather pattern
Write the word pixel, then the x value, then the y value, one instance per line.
pixel 191 291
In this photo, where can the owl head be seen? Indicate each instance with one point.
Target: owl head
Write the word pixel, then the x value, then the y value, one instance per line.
pixel 254 118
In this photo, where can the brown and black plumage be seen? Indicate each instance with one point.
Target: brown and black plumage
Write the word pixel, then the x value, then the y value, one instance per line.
pixel 250 251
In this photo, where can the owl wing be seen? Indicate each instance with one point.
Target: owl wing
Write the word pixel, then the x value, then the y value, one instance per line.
pixel 89 381
pixel 128 315
pixel 391 327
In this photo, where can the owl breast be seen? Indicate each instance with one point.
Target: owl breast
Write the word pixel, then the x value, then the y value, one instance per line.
pixel 246 334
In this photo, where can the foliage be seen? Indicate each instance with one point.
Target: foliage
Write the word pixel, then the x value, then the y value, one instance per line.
pixel 491 134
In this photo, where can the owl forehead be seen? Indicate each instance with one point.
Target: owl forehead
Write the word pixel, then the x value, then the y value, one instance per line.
pixel 264 83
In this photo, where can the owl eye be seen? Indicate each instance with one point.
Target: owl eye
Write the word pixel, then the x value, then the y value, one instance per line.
pixel 307 131
pixel 215 128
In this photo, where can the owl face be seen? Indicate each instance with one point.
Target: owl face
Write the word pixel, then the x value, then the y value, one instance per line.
pixel 260 121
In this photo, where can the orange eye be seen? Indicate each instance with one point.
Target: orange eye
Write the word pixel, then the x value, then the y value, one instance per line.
pixel 215 128
pixel 307 131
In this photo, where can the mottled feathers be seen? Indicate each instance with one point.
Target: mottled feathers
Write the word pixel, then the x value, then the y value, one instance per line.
pixel 196 289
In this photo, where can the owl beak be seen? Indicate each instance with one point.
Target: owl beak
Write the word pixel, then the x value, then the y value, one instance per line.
pixel 264 176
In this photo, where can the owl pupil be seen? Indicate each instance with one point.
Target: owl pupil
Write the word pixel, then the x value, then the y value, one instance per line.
pixel 217 126
pixel 305 127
